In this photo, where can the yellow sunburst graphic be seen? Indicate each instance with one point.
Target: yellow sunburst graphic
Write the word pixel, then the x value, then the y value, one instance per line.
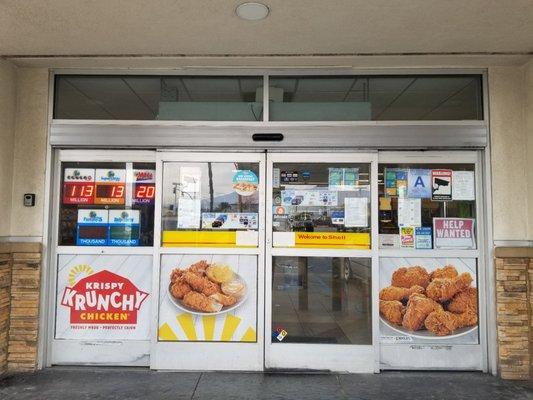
pixel 186 322
pixel 78 272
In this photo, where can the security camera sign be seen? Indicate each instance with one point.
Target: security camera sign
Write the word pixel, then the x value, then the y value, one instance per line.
pixel 441 184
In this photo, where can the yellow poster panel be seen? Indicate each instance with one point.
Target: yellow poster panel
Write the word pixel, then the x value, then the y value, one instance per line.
pixel 360 241
pixel 202 239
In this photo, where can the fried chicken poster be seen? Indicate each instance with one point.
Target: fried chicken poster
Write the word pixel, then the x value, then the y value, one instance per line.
pixel 208 298
pixel 428 300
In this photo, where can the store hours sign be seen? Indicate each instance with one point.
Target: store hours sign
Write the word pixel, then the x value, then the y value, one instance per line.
pixel 103 297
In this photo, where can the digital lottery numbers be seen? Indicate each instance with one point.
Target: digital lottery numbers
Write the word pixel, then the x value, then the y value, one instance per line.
pixel 108 186
pixel 78 186
pixel 144 189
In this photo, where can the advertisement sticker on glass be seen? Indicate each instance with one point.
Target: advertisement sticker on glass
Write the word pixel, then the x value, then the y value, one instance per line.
pixel 407 237
pixel 103 297
pixel 419 183
pixel 144 186
pixel 389 241
pixel 229 221
pixel 423 237
pixel 308 198
pixel 245 182
pixel 453 233
pixel 208 298
pixel 441 184
pixel 343 179
pixel 428 301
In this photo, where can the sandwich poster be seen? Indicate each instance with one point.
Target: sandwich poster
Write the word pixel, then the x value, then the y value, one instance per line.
pixel 428 301
pixel 103 297
pixel 208 298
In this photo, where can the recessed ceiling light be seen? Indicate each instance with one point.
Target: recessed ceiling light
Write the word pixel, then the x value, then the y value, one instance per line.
pixel 252 11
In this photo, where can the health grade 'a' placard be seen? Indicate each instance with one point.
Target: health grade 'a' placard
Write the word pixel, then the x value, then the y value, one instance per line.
pixel 103 297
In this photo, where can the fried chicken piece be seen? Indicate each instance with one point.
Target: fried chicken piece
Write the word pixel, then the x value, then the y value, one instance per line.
pixel 464 301
pixel 392 310
pixel 443 289
pixel 179 289
pixel 223 299
pixel 201 302
pixel 390 293
pixel 201 284
pixel 409 277
pixel 176 274
pixel 448 272
pixel 418 308
pixel 199 268
pixel 443 323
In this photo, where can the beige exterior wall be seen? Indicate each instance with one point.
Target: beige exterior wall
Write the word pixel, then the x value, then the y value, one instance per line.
pixel 29 156
pixel 511 158
pixel 529 137
pixel 7 126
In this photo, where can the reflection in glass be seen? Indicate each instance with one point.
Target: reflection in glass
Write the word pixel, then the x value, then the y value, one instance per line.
pixel 321 300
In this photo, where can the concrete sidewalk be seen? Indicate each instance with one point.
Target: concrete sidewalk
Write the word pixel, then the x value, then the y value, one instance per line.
pixel 130 384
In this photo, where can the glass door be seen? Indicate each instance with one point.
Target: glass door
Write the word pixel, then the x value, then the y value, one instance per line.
pixel 321 262
pixel 210 262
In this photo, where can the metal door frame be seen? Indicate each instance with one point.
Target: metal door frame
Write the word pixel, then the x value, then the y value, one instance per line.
pixel 342 358
pixel 198 355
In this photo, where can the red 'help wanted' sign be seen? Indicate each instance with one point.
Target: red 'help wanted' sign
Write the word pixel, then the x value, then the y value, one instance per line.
pixel 453 233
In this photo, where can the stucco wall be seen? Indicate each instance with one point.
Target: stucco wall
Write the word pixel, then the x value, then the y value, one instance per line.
pixel 509 153
pixel 7 125
pixel 29 150
pixel 529 134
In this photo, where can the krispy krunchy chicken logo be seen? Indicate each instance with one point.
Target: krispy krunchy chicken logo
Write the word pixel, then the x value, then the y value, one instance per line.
pixel 103 298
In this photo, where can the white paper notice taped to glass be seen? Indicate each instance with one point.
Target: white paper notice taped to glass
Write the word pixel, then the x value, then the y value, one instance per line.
pixel 409 212
pixel 463 185
pixel 356 212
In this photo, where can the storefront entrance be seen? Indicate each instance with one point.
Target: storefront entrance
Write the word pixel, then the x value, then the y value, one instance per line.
pixel 258 260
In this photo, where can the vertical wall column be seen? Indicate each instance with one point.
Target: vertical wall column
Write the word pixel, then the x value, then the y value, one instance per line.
pixel 5 285
pixel 514 301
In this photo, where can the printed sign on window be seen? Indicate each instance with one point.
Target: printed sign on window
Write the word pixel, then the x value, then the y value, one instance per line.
pixel 104 297
pixel 419 183
pixel 453 233
pixel 441 183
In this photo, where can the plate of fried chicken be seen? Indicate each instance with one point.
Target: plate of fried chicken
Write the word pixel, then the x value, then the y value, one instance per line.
pixel 438 304
pixel 207 289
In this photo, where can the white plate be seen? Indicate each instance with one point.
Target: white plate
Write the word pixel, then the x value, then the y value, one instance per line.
pixel 178 303
pixel 424 334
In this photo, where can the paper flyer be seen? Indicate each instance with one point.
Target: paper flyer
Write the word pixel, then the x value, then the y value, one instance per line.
pixel 356 212
pixel 409 212
pixel 423 238
pixel 463 185
pixel 407 237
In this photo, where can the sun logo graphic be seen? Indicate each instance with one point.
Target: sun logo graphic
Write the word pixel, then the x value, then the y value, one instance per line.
pixel 78 272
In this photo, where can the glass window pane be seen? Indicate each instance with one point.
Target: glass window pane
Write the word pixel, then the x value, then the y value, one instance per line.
pixel 427 198
pixel 376 98
pixel 321 205
pixel 202 98
pixel 107 204
pixel 212 204
pixel 325 300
